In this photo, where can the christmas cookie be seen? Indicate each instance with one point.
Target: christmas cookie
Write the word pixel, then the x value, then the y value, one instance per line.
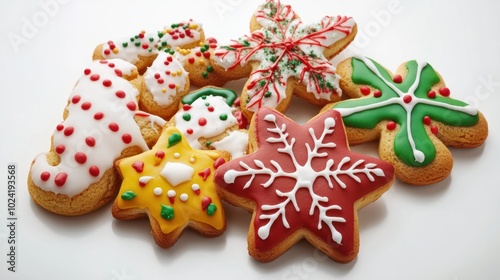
pixel 302 182
pixel 283 56
pixel 172 184
pixel 412 114
pixel 101 123
pixel 141 49
pixel 209 119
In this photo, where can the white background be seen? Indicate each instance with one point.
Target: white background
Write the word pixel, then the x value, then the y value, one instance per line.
pixel 449 230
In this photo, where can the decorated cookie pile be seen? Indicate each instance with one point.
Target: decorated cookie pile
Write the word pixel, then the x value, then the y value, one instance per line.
pixel 136 131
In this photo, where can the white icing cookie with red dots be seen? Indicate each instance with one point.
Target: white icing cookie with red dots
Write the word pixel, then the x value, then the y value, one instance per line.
pixel 209 119
pixel 102 123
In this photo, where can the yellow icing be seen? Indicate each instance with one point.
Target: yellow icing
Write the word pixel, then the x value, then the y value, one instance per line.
pixel 184 211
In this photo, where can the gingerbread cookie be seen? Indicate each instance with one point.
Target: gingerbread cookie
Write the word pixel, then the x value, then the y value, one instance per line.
pixel 412 114
pixel 141 49
pixel 102 123
pixel 302 182
pixel 172 184
pixel 209 119
pixel 283 56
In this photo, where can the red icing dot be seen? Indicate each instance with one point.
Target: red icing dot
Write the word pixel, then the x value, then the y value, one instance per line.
pixel 86 71
pixel 138 166
pixel 95 77
pixel 212 40
pixel 94 171
pixel 377 93
pixel 160 154
pixel 444 91
pixel 407 98
pixel 189 131
pixel 90 141
pixel 141 35
pixel 206 54
pixel 186 107
pixel 60 179
pixel 364 90
pixel 45 176
pixel 105 61
pixel 210 108
pixel 198 53
pixel 191 60
pixel 126 138
pixel 160 81
pixel 107 52
pixel 170 59
pixel 98 116
pixel 397 79
pixel 167 72
pixel 132 106
pixel 60 127
pixel 111 65
pixel 431 94
pixel 157 76
pixel 434 129
pixel 80 157
pixel 76 99
pixel 182 35
pixel 202 121
pixel 120 94
pixel 113 127
pixel 166 63
pixel 69 130
pixel 427 120
pixel 145 46
pixel 107 83
pixel 391 125
pixel 118 72
pixel 86 105
pixel 205 173
pixel 60 149
pixel 172 86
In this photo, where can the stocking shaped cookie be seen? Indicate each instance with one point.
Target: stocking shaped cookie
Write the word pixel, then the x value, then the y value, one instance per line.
pixel 172 184
pixel 209 119
pixel 102 123
pixel 283 56
pixel 302 182
pixel 412 114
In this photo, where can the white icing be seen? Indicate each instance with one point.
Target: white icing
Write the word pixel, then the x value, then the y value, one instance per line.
pixel 235 143
pixel 108 144
pixel 195 187
pixel 181 41
pixel 171 193
pixel 183 197
pixel 304 175
pixel 157 191
pixel 214 125
pixel 131 52
pixel 176 173
pixel 145 179
pixel 159 83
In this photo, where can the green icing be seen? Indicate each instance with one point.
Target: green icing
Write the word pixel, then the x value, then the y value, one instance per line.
pixel 412 139
pixel 128 195
pixel 174 139
pixel 228 94
pixel 167 212
pixel 211 209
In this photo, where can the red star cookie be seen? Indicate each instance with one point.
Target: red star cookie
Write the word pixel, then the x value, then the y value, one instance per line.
pixel 302 182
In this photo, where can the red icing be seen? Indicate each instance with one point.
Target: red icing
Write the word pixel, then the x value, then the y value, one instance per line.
pixel 434 129
pixel 427 120
pixel 160 154
pixel 364 90
pixel 95 77
pixel 120 94
pixel 86 105
pixel 205 173
pixel 377 93
pixel 191 60
pixel 86 71
pixel 397 79
pixel 132 106
pixel 69 130
pixel 126 138
pixel 391 125
pixel 76 99
pixel 407 98
pixel 218 162
pixel 94 171
pixel 172 86
pixel 98 116
pixel 444 91
pixel 60 179
pixel 90 141
pixel 205 202
pixel 45 176
pixel 186 107
pixel 107 83
pixel 114 127
pixel 80 157
pixel 202 122
pixel 267 155
pixel 431 94
pixel 118 72
pixel 138 166
pixel 189 131
pixel 60 149
pixel 60 127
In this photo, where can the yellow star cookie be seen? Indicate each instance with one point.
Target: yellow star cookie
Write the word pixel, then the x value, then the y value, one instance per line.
pixel 172 184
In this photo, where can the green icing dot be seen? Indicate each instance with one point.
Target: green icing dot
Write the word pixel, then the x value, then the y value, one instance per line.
pixel 210 69
pixel 132 39
pixel 164 43
pixel 151 39
pixel 167 212
pixel 204 74
pixel 128 195
pixel 125 44
pixel 186 117
pixel 223 117
pixel 211 209
pixel 174 139
pixel 208 143
pixel 136 36
pixel 138 43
